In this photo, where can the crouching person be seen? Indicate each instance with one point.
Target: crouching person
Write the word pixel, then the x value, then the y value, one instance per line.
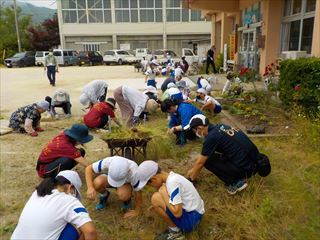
pixel 54 211
pixel 61 152
pixel 208 103
pixel 60 99
pixel 98 116
pixel 177 201
pixel 27 119
pixel 115 172
pixel 227 152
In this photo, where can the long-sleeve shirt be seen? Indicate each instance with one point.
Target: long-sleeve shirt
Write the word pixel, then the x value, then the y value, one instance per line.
pixel 50 60
pixel 136 99
pixel 183 115
pixel 95 89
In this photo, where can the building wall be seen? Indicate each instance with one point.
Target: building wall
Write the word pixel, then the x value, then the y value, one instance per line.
pixel 155 35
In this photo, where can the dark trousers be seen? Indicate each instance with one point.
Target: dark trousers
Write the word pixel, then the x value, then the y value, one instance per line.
pixel 213 66
pixel 62 163
pixel 66 106
pixel 51 74
pixel 221 166
pixel 58 165
pixel 183 136
pixel 104 121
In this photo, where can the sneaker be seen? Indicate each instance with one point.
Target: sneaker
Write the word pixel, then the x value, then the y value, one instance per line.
pixel 170 235
pixel 68 115
pixel 237 187
pixel 126 205
pixel 102 201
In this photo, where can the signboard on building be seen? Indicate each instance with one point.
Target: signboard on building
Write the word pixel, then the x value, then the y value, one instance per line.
pixel 232 46
pixel 252 16
pixel 125 46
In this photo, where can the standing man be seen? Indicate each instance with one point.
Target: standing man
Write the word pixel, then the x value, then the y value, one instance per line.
pixel 227 152
pixel 51 66
pixel 210 59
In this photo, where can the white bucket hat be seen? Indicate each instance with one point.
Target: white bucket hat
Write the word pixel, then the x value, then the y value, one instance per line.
pixel 171 85
pixel 61 95
pixel 146 170
pixel 74 179
pixel 151 106
pixel 201 90
pixel 118 172
pixel 151 89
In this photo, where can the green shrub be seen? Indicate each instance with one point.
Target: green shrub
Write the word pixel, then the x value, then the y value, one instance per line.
pixel 219 62
pixel 299 83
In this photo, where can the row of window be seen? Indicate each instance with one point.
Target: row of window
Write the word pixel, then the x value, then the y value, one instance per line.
pixel 99 11
pixel 82 4
pixel 133 16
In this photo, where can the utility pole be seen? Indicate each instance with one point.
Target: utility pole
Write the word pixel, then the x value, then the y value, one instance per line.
pixel 17 25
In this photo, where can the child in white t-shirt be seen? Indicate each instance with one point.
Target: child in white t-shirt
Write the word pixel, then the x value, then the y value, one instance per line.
pixel 115 172
pixel 151 73
pixel 177 201
pixel 207 102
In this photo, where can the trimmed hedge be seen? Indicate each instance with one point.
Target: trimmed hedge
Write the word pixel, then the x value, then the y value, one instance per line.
pixel 299 83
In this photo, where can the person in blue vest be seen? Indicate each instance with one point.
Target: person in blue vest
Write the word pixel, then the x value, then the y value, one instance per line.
pixel 180 115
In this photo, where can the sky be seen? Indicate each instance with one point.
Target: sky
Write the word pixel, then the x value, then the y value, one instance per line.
pixel 43 3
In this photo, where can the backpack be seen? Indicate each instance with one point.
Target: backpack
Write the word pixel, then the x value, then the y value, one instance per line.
pixel 263 165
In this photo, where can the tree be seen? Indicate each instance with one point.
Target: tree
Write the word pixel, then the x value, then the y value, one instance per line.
pixel 8 39
pixel 45 35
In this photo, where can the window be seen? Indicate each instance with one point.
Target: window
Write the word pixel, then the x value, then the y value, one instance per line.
pixel 294 36
pixel 126 11
pixel 311 5
pixel 307 31
pixel 195 15
pixel 95 16
pixel 107 11
pixel 68 4
pixel 188 53
pixel 111 53
pixel 150 10
pixel 57 53
pixel 174 9
pixel 69 16
pixel 91 47
pixel 65 53
pixel 297 25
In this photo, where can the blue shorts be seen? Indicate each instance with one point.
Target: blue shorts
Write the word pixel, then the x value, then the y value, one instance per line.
pixel 187 222
pixel 151 82
pixel 217 109
pixel 69 233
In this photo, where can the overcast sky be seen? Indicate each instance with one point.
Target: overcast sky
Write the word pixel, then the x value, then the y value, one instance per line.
pixel 43 3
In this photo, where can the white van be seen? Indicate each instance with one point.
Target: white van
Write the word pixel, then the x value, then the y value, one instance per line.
pixel 66 56
pixel 40 56
pixel 143 52
pixel 190 56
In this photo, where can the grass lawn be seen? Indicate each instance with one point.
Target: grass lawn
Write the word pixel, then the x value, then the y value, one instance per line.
pixel 284 205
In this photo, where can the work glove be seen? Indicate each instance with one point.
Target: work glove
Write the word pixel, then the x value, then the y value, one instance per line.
pixel 33 134
pixel 39 129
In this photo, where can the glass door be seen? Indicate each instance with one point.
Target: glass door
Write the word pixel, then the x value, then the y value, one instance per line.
pixel 248 50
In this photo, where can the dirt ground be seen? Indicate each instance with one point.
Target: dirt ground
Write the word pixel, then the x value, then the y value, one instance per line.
pixel 280 206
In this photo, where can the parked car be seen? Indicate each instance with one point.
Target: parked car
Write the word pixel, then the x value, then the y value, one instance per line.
pixel 190 56
pixel 143 52
pixel 21 59
pixel 119 57
pixel 163 55
pixel 66 56
pixel 40 56
pixel 89 58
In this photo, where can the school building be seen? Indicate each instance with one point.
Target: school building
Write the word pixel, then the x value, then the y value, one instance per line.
pixel 102 25
pixel 257 32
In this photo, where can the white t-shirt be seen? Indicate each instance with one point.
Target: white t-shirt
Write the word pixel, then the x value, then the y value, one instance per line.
pixel 151 74
pixel 95 89
pixel 182 191
pixel 207 99
pixel 136 99
pixel 178 72
pixel 103 165
pixel 46 217
pixel 205 84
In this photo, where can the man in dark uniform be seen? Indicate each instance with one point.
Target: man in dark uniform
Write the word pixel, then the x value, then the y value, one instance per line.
pixel 210 59
pixel 227 152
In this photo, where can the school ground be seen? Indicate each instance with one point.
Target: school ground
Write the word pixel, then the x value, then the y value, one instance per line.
pixel 285 205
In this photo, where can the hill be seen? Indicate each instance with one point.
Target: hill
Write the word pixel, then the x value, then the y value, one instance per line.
pixel 39 14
